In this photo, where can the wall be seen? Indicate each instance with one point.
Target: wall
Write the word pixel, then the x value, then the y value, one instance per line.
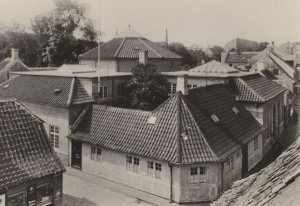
pixel 255 156
pixel 206 191
pixel 105 65
pixel 54 116
pixel 231 175
pixel 113 167
pixel 199 81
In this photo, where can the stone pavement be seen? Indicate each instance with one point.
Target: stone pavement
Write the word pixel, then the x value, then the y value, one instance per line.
pixel 105 192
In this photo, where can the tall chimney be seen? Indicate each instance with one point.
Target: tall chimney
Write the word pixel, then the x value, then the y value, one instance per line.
pixel 143 57
pixel 182 84
pixel 167 37
pixel 14 54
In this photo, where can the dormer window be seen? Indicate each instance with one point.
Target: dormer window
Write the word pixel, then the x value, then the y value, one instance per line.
pixel 236 110
pixel 215 118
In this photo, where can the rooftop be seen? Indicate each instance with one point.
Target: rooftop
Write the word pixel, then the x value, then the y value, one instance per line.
pixel 25 151
pixel 214 67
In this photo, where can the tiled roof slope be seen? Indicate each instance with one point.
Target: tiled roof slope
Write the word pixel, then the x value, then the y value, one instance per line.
pixel 48 90
pixel 129 131
pixel 127 47
pixel 25 151
pixel 241 57
pixel 233 129
pixel 255 88
pixel 214 67
pixel 263 186
pixel 15 65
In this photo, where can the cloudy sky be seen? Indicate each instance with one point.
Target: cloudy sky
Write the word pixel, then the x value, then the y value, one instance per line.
pixel 202 22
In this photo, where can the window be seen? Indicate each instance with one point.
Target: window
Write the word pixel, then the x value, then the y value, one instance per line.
pixel 129 163
pixel 136 163
pixel 255 144
pixel 194 175
pixel 96 154
pixel 132 163
pixel 202 176
pixel 158 170
pixel 236 110
pixel 121 89
pixel 103 92
pixel 215 118
pixel 150 168
pixel 44 194
pixel 54 136
pixel 191 86
pixel 17 199
pixel 276 71
pixel 171 88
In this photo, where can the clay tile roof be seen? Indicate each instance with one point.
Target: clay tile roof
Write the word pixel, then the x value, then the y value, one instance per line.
pixel 214 67
pixel 48 90
pixel 241 57
pixel 25 151
pixel 265 185
pixel 255 88
pixel 127 46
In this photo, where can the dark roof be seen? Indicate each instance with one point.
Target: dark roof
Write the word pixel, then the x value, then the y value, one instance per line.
pixel 241 57
pixel 25 151
pixel 265 185
pixel 268 74
pixel 129 131
pixel 48 90
pixel 242 45
pixel 255 88
pixel 128 47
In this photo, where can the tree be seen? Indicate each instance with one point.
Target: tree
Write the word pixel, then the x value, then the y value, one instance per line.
pixel 216 50
pixel 147 88
pixel 263 45
pixel 58 33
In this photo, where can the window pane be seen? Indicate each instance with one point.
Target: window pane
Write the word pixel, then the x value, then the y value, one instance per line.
pixel 194 170
pixel 16 199
pixel 136 161
pixel 202 170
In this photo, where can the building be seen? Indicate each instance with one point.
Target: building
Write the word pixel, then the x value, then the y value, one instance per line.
pixel 265 99
pixel 241 45
pixel 124 51
pixel 239 60
pixel 11 64
pixel 30 171
pixel 277 184
pixel 55 99
pixel 188 149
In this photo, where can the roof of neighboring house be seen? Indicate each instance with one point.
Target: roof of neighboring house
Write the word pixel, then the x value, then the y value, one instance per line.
pixel 128 130
pixel 285 67
pixel 241 45
pixel 127 46
pixel 48 90
pixel 239 57
pixel 267 184
pixel 15 65
pixel 255 88
pixel 25 150
pixel 266 73
pixel 214 67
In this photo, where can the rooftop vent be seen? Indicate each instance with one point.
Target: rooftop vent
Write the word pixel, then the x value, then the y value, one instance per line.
pixel 215 118
pixel 236 110
pixel 152 120
pixel 6 86
pixel 57 91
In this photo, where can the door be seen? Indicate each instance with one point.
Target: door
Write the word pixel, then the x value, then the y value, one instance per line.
pixel 76 154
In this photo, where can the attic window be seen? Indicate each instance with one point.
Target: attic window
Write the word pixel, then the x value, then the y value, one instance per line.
pixel 215 118
pixel 57 91
pixel 152 120
pixel 6 86
pixel 236 110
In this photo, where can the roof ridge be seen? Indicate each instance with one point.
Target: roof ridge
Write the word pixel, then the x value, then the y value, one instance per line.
pixel 166 101
pixel 5 82
pixel 71 92
pixel 252 90
pixel 121 45
pixel 153 50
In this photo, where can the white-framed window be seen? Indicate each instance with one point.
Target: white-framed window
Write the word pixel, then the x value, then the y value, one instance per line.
pixel 136 163
pixel 129 163
pixel 132 163
pixel 194 175
pixel 172 88
pixel 255 143
pixel 202 174
pixel 103 92
pixel 54 136
pixel 158 170
pixel 150 168
pixel 95 153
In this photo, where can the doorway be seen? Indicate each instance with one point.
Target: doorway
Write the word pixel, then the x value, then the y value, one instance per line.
pixel 76 154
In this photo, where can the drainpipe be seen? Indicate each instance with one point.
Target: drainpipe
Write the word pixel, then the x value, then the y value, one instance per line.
pixel 222 177
pixel 178 125
pixel 171 183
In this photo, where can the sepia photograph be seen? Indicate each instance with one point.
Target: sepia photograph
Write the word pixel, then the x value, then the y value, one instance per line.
pixel 149 102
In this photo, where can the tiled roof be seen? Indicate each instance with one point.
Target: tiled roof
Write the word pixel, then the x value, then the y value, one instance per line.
pixel 241 57
pixel 25 151
pixel 214 67
pixel 255 88
pixel 241 45
pixel 268 74
pixel 16 65
pixel 128 131
pixel 48 90
pixel 127 47
pixel 265 185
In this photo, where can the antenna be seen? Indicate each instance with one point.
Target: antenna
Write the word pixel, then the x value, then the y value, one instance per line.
pixel 99 42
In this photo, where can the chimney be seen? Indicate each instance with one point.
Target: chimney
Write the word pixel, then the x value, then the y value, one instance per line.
pixel 143 57
pixel 182 84
pixel 14 54
pixel 167 37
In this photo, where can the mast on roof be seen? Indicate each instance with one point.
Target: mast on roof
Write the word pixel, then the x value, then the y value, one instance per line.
pixel 99 42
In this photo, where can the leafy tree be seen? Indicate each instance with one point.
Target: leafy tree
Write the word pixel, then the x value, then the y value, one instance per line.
pixel 216 50
pixel 58 33
pixel 263 45
pixel 147 88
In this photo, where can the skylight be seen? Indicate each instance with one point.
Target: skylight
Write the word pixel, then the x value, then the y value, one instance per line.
pixel 56 91
pixel 215 118
pixel 236 110
pixel 152 120
pixel 6 86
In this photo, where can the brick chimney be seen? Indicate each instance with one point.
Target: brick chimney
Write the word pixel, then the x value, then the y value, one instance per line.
pixel 14 54
pixel 182 84
pixel 143 57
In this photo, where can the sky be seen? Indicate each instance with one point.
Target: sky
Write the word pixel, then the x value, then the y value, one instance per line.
pixel 201 22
